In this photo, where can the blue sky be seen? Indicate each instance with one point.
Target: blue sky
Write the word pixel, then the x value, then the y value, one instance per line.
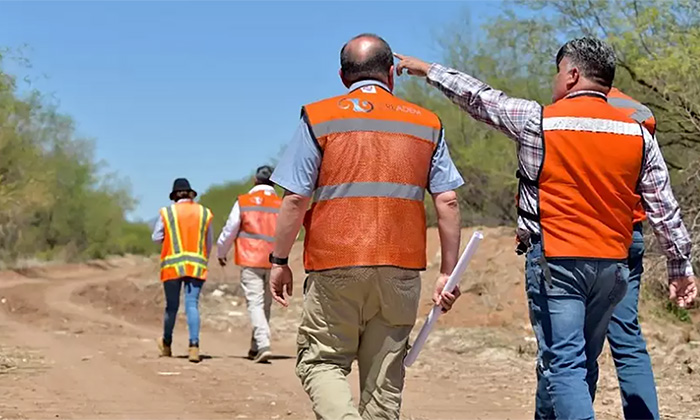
pixel 208 91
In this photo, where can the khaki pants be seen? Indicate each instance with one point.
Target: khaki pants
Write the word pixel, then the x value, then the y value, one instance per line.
pixel 258 297
pixel 356 313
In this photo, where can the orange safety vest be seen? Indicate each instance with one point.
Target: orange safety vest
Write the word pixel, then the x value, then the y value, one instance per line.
pixel 368 204
pixel 257 233
pixel 642 115
pixel 587 185
pixel 184 252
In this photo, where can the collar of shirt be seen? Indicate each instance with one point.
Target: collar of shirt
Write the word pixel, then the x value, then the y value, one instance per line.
pixel 184 200
pixel 363 83
pixel 262 187
pixel 587 93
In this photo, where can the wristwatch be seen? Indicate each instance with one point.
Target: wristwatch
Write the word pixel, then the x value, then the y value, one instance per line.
pixel 278 261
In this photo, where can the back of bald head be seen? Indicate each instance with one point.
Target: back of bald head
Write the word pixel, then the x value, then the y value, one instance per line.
pixel 366 57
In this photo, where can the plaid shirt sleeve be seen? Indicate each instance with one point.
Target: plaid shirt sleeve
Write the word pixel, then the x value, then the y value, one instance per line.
pixel 663 211
pixel 519 119
pixel 483 103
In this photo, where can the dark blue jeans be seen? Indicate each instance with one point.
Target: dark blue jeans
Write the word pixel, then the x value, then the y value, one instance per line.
pixel 629 350
pixel 571 302
pixel 193 287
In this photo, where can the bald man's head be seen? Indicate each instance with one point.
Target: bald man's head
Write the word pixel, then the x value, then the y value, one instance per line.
pixel 364 57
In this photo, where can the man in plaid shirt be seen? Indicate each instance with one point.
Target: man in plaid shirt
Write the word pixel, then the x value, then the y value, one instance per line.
pixel 578 198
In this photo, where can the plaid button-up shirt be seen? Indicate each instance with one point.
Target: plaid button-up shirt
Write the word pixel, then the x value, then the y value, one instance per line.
pixel 520 119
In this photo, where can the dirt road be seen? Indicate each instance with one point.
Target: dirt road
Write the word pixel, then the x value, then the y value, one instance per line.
pixel 79 342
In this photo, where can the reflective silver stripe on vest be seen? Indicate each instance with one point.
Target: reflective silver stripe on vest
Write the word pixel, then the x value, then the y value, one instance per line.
pixel 641 114
pixel 256 236
pixel 370 189
pixel 261 209
pixel 593 125
pixel 178 260
pixel 346 125
pixel 174 234
pixel 202 229
pixel 175 238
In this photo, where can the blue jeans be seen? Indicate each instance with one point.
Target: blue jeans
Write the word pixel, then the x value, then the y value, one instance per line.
pixel 629 351
pixel 571 302
pixel 172 301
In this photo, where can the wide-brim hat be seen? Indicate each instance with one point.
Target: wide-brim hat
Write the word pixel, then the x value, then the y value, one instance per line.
pixel 181 184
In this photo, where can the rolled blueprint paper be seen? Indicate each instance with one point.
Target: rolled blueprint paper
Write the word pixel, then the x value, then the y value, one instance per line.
pixel 452 282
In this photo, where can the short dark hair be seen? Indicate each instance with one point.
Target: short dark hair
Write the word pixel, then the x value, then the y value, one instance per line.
pixel 263 174
pixel 179 195
pixel 594 58
pixel 373 66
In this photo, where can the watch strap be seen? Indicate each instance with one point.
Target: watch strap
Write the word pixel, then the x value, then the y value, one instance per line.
pixel 278 261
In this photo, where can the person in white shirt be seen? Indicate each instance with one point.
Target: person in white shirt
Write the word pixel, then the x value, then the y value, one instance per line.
pixel 251 225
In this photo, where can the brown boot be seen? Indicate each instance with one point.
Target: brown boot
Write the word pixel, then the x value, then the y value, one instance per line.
pixel 165 349
pixel 194 354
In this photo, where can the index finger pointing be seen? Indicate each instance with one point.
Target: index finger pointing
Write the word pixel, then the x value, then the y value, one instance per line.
pixel 399 68
pixel 400 56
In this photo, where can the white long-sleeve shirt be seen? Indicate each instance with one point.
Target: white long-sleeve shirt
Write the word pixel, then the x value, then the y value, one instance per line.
pixel 233 224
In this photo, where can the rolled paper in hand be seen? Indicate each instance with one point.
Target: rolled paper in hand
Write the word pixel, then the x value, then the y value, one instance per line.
pixel 452 282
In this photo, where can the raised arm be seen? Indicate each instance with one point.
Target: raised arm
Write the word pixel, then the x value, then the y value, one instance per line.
pixel 481 101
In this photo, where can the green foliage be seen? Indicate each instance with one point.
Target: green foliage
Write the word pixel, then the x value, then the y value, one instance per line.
pixel 681 314
pixel 135 239
pixel 485 158
pixel 53 202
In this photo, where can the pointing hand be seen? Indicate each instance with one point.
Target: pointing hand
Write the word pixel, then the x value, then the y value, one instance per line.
pixel 414 66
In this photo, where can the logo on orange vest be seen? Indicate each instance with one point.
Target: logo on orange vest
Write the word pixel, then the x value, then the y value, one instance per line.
pixel 357 105
pixel 404 109
pixel 258 201
pixel 369 89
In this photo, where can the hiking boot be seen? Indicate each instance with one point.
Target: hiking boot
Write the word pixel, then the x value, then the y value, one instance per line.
pixel 194 354
pixel 165 348
pixel 263 355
